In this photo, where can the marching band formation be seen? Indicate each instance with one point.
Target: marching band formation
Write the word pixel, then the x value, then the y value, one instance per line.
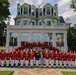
pixel 34 57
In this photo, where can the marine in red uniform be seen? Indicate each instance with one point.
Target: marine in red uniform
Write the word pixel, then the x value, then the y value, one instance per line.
pixel 69 59
pixel 12 60
pixel 26 57
pixel 41 57
pixel 65 59
pixel 2 59
pixel 51 56
pixel 31 54
pixel 73 60
pixel 16 58
pixel 7 57
pixel 60 58
pixel 46 56
pixel 75 57
pixel 21 59
pixel 56 58
pixel 34 50
pixel 0 54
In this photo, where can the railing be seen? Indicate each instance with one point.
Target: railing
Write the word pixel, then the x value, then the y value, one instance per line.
pixel 38 26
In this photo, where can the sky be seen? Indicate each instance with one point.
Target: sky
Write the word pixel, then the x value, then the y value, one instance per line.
pixel 63 8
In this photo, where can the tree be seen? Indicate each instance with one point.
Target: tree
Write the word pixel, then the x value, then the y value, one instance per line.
pixel 4 14
pixel 73 4
pixel 72 38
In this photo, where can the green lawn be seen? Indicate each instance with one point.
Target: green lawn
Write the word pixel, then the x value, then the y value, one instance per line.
pixel 68 73
pixel 6 72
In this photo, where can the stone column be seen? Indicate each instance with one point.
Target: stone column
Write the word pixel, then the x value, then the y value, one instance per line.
pixel 7 40
pixel 45 10
pixel 42 37
pixel 19 39
pixel 28 10
pixel 54 39
pixel 65 40
pixel 31 36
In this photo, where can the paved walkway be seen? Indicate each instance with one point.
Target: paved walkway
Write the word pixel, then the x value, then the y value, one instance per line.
pixel 36 71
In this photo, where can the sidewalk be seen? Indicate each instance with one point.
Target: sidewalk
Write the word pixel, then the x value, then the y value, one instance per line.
pixel 36 71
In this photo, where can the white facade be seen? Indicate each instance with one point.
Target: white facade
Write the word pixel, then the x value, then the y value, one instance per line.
pixel 37 25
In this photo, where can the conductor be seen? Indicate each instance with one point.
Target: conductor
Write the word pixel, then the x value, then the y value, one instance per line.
pixel 37 57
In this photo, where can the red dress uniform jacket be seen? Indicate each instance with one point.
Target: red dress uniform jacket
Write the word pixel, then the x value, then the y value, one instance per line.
pixel 31 55
pixel 3 56
pixel 26 55
pixel 60 56
pixel 65 57
pixel 21 56
pixel 56 56
pixel 71 56
pixel 12 57
pixel 75 56
pixel 16 56
pixel 46 55
pixel 0 55
pixel 51 55
pixel 34 52
pixel 7 58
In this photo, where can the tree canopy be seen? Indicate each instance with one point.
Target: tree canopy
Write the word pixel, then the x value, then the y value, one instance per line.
pixel 73 4
pixel 4 14
pixel 72 38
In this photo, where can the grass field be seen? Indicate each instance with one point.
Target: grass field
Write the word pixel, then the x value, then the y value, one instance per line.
pixel 68 73
pixel 6 72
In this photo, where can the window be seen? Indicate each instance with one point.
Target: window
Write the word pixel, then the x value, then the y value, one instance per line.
pixel 47 10
pixel 33 12
pixel 36 37
pixel 25 10
pixel 54 12
pixel 40 23
pixel 25 22
pixel 41 12
pixel 18 11
pixel 25 38
pixel 18 22
pixel 33 23
pixel 48 23
pixel 13 39
pixel 59 39
pixel 48 38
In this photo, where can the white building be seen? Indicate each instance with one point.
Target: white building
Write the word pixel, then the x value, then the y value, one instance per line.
pixel 40 24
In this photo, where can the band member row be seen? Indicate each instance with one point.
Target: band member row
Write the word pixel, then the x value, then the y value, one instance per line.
pixel 14 58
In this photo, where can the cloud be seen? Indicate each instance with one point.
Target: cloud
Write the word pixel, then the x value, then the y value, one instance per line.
pixel 65 10
pixel 12 20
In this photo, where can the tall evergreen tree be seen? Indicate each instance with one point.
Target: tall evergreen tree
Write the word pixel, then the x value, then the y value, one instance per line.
pixel 4 14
